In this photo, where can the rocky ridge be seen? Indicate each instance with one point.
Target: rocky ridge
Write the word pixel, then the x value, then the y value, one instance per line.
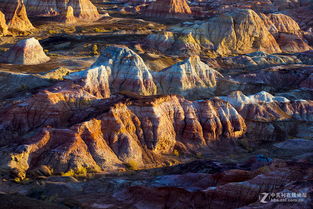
pixel 243 31
pixel 121 69
pixel 139 130
pixel 265 113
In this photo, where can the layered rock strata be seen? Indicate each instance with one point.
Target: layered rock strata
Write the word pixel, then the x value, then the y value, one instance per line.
pixel 120 69
pixel 168 9
pixel 271 117
pixel 139 130
pixel 16 15
pixel 26 52
pixel 240 31
pixel 82 9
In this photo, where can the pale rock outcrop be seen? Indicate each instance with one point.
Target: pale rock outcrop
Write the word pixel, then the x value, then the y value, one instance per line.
pixel 124 130
pixel 26 52
pixel 280 23
pixel 117 69
pixel 3 25
pixel 236 32
pixel 168 9
pixel 67 16
pixel 190 78
pixel 120 69
pixel 265 107
pixel 271 117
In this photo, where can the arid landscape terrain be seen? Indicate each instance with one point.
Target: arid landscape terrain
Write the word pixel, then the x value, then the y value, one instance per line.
pixel 156 104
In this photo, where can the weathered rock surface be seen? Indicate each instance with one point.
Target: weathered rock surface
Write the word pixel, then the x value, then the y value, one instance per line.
pixel 26 52
pixel 253 61
pixel 16 15
pixel 67 16
pixel 190 78
pixel 117 69
pixel 82 9
pixel 263 112
pixel 3 25
pixel 287 32
pixel 139 130
pixel 20 21
pixel 295 144
pixel 266 107
pixel 168 9
pixel 236 32
pixel 120 69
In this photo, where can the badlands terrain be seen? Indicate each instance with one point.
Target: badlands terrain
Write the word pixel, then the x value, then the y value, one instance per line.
pixel 166 104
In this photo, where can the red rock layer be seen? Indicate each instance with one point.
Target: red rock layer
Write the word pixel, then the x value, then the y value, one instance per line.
pixel 113 131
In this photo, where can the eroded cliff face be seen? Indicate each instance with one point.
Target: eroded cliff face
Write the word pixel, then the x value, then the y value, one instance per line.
pixel 16 15
pixel 191 78
pixel 121 69
pixel 240 31
pixel 117 69
pixel 112 132
pixel 287 32
pixel 169 9
pixel 273 116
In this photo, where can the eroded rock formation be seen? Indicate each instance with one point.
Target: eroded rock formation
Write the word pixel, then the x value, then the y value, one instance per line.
pixel 229 189
pixel 19 20
pixel 16 15
pixel 265 113
pixel 169 9
pixel 67 16
pixel 121 69
pixel 82 9
pixel 3 25
pixel 26 52
pixel 237 32
pixel 190 78
pixel 231 33
pixel 128 129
